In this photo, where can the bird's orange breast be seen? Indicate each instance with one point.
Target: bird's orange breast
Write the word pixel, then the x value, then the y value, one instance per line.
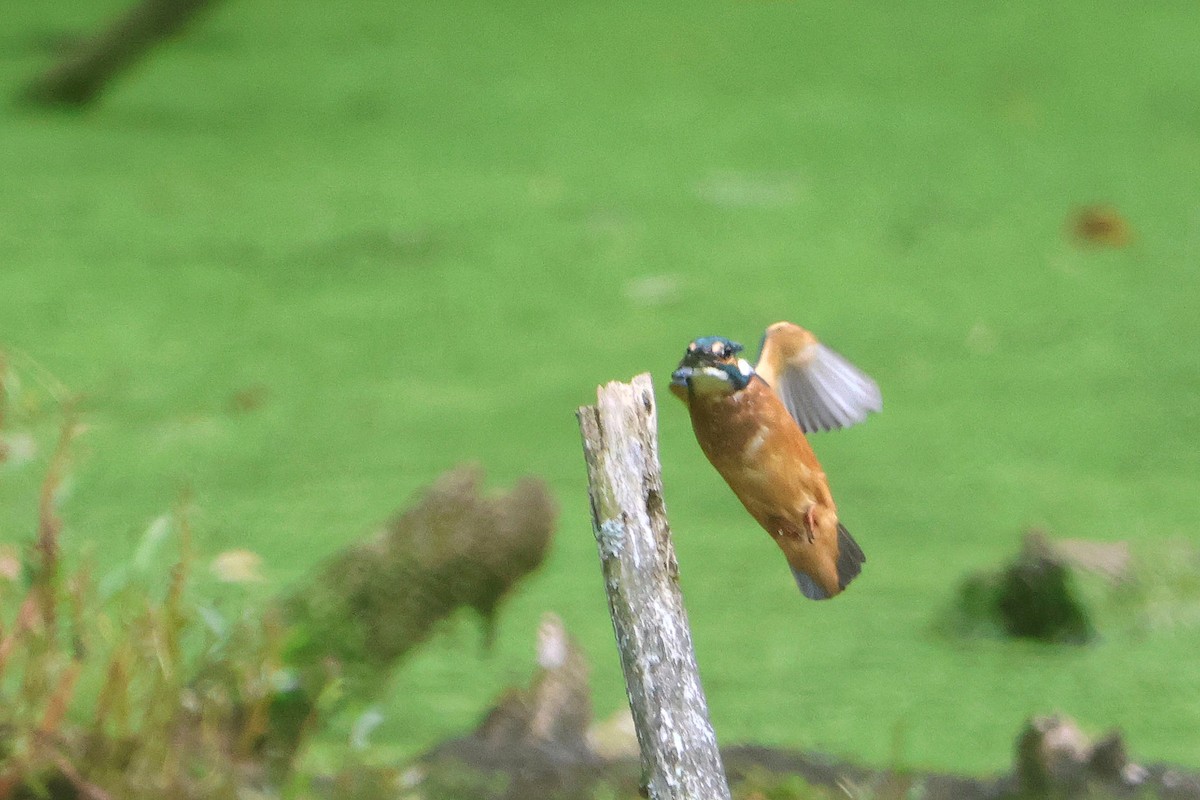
pixel 759 450
pixel 765 458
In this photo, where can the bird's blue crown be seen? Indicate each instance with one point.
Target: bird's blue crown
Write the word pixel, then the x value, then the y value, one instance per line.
pixel 708 344
pixel 715 352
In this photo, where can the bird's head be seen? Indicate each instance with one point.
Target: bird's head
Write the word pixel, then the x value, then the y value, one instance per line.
pixel 711 366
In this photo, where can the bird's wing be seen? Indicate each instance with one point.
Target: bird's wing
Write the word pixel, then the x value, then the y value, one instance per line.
pixel 820 389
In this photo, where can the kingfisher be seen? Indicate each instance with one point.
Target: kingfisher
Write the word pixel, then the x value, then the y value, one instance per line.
pixel 751 422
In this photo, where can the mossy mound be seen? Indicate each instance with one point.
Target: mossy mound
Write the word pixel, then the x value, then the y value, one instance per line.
pixel 1033 597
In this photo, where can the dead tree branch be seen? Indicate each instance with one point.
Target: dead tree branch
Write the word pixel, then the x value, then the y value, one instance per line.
pixel 679 747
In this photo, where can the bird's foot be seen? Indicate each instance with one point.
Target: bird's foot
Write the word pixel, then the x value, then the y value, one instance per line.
pixel 810 523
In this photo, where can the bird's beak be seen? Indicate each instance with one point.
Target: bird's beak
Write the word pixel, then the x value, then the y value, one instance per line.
pixel 680 376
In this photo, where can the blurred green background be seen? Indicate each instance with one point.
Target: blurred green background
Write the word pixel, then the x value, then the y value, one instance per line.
pixel 418 234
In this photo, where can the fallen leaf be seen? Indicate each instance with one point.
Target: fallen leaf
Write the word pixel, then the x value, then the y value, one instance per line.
pixel 1101 225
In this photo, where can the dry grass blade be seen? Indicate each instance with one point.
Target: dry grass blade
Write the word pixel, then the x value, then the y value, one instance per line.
pixel 3 399
pixel 50 527
pixel 60 700
pixel 27 616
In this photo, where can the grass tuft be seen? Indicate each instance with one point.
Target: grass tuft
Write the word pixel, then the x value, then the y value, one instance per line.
pixel 129 696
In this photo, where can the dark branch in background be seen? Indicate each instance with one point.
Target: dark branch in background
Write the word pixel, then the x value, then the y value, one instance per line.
pixel 79 79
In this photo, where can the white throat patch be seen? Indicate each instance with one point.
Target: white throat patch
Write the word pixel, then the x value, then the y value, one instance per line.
pixel 710 380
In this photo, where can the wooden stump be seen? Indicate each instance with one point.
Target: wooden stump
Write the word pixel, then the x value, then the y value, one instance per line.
pixel 678 745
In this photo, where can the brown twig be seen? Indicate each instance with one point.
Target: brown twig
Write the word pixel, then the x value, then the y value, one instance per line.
pixel 27 616
pixel 3 396
pixel 60 699
pixel 82 786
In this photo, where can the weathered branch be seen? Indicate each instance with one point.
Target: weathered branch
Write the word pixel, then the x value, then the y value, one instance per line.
pixel 79 78
pixel 620 442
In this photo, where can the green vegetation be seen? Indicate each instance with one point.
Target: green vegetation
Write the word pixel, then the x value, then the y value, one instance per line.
pixel 124 687
pixel 301 262
pixel 135 685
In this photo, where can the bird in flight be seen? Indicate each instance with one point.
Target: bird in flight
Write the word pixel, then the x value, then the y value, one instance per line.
pixel 751 423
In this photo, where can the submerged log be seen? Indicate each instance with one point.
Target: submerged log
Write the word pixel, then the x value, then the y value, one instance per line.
pixel 79 79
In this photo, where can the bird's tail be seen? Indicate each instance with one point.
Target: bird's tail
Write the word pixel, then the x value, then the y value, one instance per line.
pixel 850 557
pixel 849 563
